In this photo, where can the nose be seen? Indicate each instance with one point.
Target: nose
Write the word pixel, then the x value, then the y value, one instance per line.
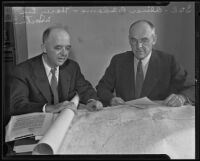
pixel 139 44
pixel 64 51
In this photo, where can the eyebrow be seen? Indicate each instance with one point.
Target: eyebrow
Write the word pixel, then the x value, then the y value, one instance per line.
pixel 68 46
pixel 141 38
pixel 63 45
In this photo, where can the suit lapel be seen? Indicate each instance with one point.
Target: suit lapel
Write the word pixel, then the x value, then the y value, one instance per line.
pixel 64 82
pixel 151 75
pixel 41 78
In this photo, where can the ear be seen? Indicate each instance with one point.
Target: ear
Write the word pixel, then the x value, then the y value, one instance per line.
pixel 43 48
pixel 129 38
pixel 154 39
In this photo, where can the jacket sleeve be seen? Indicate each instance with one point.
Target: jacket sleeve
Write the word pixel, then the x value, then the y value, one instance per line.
pixel 20 102
pixel 181 81
pixel 84 87
pixel 106 85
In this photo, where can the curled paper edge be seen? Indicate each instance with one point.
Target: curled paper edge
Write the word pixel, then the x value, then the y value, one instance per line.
pixel 53 138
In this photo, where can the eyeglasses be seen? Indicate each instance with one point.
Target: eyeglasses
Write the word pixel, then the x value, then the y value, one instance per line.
pixel 143 41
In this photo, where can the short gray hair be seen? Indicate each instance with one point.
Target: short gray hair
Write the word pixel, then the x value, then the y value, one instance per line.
pixel 146 21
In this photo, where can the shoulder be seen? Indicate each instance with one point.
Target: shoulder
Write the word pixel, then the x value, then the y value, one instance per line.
pixel 27 65
pixel 123 57
pixel 162 56
pixel 70 64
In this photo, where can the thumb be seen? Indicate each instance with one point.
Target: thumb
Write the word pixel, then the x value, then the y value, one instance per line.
pixel 120 100
pixel 65 102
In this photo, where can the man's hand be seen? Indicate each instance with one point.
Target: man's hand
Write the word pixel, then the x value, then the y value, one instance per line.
pixel 60 106
pixel 116 101
pixel 175 100
pixel 94 105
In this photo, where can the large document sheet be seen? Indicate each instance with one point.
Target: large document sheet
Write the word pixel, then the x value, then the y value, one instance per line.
pixel 130 130
pixel 137 127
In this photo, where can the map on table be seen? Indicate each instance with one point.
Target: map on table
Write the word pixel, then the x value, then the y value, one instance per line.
pixel 125 129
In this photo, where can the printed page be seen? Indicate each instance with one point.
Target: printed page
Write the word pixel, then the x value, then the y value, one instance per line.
pixel 27 125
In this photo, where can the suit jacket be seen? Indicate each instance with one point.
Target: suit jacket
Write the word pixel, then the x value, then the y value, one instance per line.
pixel 164 76
pixel 30 89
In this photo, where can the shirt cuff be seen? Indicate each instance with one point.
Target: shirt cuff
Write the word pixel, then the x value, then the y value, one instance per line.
pixel 44 108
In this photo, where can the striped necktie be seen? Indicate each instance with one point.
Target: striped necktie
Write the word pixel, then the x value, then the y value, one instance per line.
pixel 54 86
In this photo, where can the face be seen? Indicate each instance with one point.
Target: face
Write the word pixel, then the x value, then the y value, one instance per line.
pixel 141 38
pixel 57 47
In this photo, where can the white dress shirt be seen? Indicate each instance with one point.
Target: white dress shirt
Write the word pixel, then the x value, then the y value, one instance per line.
pixel 145 64
pixel 49 75
pixel 48 70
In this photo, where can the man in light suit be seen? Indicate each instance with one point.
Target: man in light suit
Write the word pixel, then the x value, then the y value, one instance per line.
pixel 50 80
pixel 162 77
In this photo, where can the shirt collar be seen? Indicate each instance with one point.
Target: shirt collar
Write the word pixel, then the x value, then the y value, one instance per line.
pixel 47 67
pixel 144 61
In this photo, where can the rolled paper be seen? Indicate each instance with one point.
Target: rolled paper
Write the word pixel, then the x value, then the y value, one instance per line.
pixel 54 136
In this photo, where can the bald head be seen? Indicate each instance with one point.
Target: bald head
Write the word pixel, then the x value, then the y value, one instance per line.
pixel 53 30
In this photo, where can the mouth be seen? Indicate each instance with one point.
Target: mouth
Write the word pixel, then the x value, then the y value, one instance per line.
pixel 61 59
pixel 139 51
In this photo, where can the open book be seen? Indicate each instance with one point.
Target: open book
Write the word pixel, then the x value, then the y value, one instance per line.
pixel 28 125
pixel 47 125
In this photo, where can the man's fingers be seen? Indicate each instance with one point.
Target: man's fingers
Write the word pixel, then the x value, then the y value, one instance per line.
pixel 99 106
pixel 120 101
pixel 65 102
pixel 178 102
pixel 167 100
pixel 117 101
pixel 173 101
pixel 89 105
pixel 94 106
pixel 63 105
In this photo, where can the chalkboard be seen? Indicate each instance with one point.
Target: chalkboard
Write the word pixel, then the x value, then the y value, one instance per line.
pixel 100 32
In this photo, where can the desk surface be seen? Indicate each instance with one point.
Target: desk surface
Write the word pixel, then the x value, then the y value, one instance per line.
pixel 129 130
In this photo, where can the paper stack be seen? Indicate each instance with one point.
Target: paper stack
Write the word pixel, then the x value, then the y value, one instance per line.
pixel 29 130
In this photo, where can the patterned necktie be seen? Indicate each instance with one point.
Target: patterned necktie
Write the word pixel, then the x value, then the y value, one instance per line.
pixel 54 86
pixel 139 79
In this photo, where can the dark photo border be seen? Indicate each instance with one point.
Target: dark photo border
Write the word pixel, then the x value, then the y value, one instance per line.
pixel 5 117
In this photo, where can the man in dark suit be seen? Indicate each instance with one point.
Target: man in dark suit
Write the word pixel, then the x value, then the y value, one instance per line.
pixel 145 72
pixel 49 81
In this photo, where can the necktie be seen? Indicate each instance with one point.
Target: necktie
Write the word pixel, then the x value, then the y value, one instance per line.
pixel 54 86
pixel 139 79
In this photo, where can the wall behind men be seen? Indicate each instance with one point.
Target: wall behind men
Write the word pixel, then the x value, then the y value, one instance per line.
pixel 98 33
